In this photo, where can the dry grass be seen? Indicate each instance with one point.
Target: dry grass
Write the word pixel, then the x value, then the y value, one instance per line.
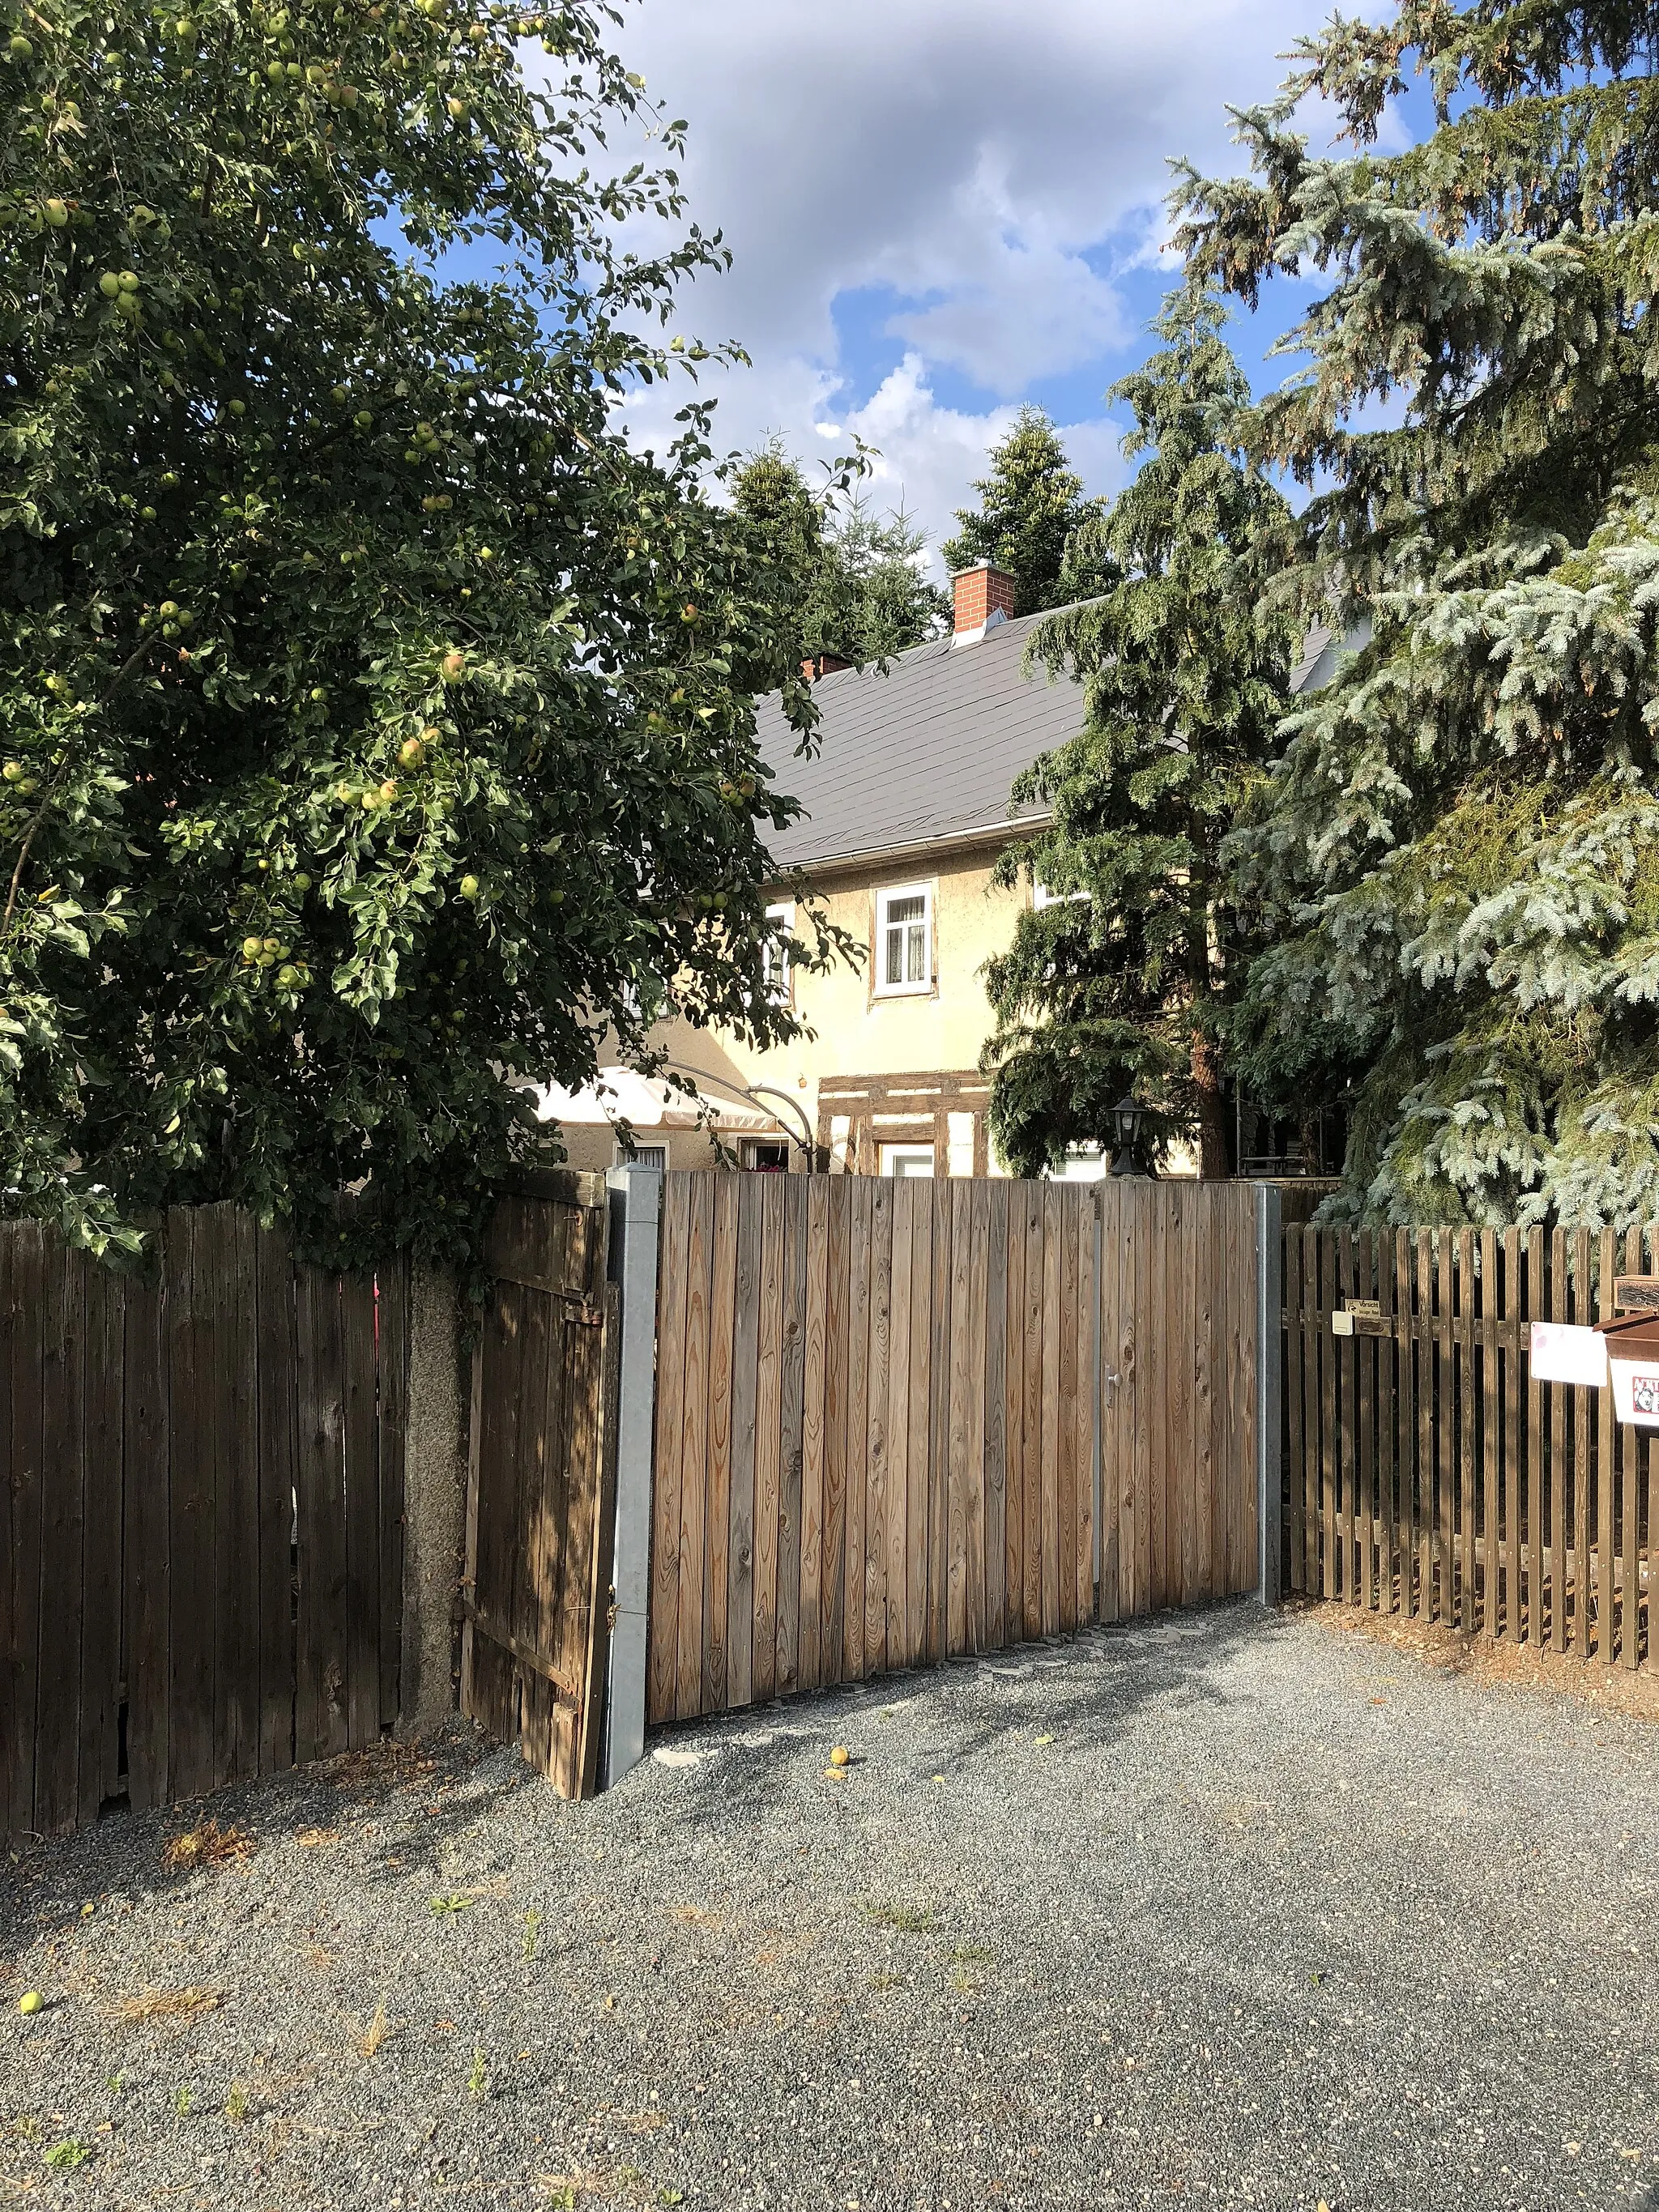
pixel 375 2034
pixel 163 2004
pixel 386 1763
pixel 1501 1664
pixel 205 1845
pixel 311 1839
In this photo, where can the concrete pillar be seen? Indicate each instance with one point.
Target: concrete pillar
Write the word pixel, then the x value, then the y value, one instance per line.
pixel 434 1501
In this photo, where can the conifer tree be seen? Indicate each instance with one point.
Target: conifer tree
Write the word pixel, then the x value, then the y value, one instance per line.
pixel 1460 850
pixel 1119 979
pixel 842 579
pixel 1032 503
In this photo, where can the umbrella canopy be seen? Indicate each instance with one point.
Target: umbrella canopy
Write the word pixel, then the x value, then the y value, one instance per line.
pixel 646 1102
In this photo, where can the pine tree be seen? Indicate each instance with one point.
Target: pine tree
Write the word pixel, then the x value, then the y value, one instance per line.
pixel 1119 979
pixel 842 579
pixel 1460 848
pixel 1032 504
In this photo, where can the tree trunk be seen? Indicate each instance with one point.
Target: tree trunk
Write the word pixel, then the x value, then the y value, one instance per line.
pixel 1212 1109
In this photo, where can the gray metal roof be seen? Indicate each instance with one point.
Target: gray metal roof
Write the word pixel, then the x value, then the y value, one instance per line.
pixel 927 753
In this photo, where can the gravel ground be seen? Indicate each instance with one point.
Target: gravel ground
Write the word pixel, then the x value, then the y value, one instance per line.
pixel 1219 1909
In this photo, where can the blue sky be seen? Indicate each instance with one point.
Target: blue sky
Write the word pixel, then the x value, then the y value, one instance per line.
pixel 940 209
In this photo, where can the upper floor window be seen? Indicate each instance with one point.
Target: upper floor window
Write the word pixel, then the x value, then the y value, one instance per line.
pixel 776 954
pixel 904 940
pixel 1042 896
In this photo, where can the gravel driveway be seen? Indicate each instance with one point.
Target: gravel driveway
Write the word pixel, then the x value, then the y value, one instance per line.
pixel 1219 1910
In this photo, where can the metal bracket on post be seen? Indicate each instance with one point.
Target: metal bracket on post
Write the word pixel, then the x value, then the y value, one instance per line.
pixel 1269 1411
pixel 636 1199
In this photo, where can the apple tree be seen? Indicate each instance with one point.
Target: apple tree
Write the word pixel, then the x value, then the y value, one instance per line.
pixel 375 720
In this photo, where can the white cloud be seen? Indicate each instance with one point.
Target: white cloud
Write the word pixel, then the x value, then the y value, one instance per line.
pixel 968 154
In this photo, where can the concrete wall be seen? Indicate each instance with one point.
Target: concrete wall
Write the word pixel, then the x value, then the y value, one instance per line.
pixel 434 1501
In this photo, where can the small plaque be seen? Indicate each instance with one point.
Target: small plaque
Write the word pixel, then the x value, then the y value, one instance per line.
pixel 1372 1308
pixel 1637 1293
pixel 1564 1354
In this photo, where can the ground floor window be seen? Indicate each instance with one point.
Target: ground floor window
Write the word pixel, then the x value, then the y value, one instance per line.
pixel 765 1156
pixel 907 1160
pixel 642 1156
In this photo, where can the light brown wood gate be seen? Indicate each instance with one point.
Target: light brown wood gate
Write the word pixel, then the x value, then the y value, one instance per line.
pixel 900 1420
pixel 541 1481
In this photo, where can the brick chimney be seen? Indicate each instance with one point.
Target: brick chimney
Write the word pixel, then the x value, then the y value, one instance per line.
pixel 822 664
pixel 982 597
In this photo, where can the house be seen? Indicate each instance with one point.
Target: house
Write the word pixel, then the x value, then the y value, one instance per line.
pixel 906 806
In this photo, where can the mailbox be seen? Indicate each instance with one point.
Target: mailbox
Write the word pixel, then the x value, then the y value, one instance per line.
pixel 1633 1366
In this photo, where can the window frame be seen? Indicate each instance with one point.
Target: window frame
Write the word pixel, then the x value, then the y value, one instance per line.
pixel 880 988
pixel 890 1155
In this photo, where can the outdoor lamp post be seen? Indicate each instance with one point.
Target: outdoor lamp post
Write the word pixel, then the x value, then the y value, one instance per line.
pixel 1127 1118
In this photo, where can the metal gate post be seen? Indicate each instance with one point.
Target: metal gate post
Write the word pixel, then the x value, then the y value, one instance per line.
pixel 635 1197
pixel 1269 1412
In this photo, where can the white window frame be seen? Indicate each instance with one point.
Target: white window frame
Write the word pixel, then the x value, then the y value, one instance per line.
pixel 894 1156
pixel 779 969
pixel 910 988
pixel 1043 897
pixel 642 1156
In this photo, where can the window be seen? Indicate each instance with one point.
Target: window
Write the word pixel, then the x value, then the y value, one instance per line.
pixel 642 1156
pixel 904 946
pixel 1042 896
pixel 908 1160
pixel 762 1156
pixel 775 954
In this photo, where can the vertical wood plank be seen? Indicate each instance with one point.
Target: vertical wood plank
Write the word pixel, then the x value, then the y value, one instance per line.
pixel 148 1514
pixel 1054 1443
pixel 1630 1572
pixel 963 1382
pixel 390 1440
pixel 1463 1487
pixel 362 1510
pixel 1330 1297
pixel 319 1708
pixel 1583 1313
pixel 797 1257
pixel 922 1201
pixel 11 1725
pixel 1491 1463
pixel 896 1453
pixel 745 1383
pixel 1606 1521
pixel 1209 1354
pixel 1111 1600
pixel 850 1662
pixel 769 1436
pixel 1524 1488
pixel 878 1475
pixel 717 1520
pixel 1558 1414
pixel 836 1363
pixel 1013 1419
pixel 815 1417
pixel 1388 1530
pixel 63 1464
pixel 1062 1322
pixel 1084 1322
pixel 1294 1328
pixel 190 1356
pixel 1345 1360
pixel 939 1423
pixel 1511 1367
pixel 694 1447
pixel 996 1416
pixel 276 1387
pixel 1366 1350
pixel 102 1667
pixel 1035 1446
pixel 663 1661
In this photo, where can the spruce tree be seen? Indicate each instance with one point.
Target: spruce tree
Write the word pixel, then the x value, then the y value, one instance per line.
pixel 1460 850
pixel 1119 980
pixel 842 579
pixel 1032 504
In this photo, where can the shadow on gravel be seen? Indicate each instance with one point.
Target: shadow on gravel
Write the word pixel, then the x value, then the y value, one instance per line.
pixel 415 1795
pixel 1095 1685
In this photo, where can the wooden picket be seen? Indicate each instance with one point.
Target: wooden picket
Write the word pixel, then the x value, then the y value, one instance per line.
pixel 201 1515
pixel 885 1419
pixel 1430 1473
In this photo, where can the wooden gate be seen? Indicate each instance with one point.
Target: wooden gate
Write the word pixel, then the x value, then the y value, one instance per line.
pixel 900 1420
pixel 201 1515
pixel 541 1481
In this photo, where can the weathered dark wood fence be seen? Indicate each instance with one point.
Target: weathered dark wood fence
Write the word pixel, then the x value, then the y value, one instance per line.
pixel 899 1420
pixel 1430 1473
pixel 201 1515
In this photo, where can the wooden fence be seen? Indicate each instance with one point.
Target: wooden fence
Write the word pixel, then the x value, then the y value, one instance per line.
pixel 1429 1473
pixel 886 1433
pixel 201 1511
